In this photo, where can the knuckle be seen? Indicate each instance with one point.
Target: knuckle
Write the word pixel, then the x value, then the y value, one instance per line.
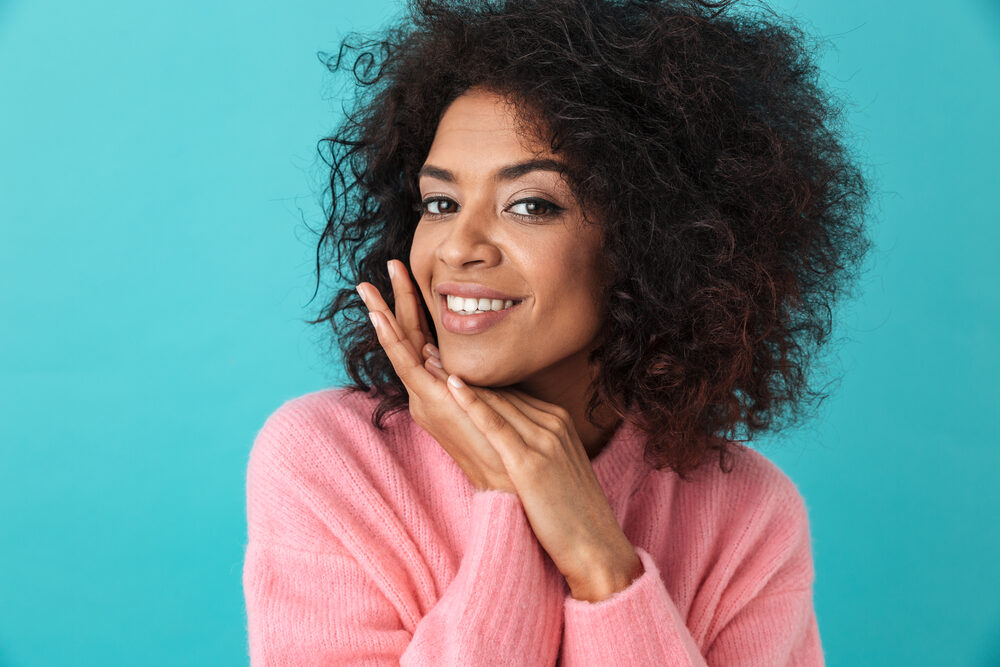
pixel 554 423
pixel 563 414
pixel 549 442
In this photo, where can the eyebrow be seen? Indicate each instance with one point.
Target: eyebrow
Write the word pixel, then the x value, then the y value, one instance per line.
pixel 507 173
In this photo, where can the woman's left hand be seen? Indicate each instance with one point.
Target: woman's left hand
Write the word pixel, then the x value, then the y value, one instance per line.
pixel 562 498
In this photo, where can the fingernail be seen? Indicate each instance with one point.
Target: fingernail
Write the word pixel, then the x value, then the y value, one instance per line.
pixel 371 316
pixel 434 361
pixel 392 269
pixel 357 288
pixel 455 382
pixel 433 351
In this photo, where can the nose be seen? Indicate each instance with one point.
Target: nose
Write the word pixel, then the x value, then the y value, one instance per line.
pixel 469 241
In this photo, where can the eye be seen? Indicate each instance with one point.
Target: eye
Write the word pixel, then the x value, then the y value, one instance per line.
pixel 548 209
pixel 432 207
pixel 428 204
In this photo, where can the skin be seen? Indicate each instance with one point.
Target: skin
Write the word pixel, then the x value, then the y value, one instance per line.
pixel 552 261
pixel 508 403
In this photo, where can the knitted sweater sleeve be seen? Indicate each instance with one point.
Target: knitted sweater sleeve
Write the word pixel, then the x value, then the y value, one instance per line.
pixel 764 617
pixel 504 606
pixel 320 590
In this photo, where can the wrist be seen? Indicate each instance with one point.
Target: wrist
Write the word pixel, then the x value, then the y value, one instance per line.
pixel 606 577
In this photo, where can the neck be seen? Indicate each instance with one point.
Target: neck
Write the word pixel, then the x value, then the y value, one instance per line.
pixel 565 385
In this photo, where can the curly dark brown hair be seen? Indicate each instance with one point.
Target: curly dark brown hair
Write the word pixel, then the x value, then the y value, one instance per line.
pixel 704 144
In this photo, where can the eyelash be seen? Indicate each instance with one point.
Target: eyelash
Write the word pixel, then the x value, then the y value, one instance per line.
pixel 554 209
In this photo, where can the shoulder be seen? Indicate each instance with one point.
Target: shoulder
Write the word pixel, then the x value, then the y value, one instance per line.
pixel 731 538
pixel 749 526
pixel 757 480
pixel 763 520
pixel 751 483
pixel 313 454
pixel 335 408
pixel 323 423
pixel 757 494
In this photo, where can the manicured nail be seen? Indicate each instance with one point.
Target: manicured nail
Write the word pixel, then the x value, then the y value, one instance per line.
pixel 371 316
pixel 455 382
pixel 433 351
pixel 357 288
pixel 392 269
pixel 434 361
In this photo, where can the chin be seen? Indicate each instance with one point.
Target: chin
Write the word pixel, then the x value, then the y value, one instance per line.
pixel 474 372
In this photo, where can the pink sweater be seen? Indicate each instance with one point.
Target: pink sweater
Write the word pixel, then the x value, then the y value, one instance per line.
pixel 370 547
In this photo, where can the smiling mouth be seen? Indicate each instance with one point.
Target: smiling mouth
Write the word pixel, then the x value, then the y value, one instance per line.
pixel 474 322
pixel 463 306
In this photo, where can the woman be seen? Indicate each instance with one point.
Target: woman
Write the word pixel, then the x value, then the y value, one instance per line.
pixel 593 239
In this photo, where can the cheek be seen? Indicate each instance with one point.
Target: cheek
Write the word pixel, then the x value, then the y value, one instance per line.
pixel 574 307
pixel 579 314
pixel 582 272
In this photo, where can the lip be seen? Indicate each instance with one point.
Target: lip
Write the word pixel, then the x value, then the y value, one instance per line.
pixel 474 291
pixel 471 324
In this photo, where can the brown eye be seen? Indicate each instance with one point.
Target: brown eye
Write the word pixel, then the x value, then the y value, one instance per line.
pixel 536 208
pixel 436 201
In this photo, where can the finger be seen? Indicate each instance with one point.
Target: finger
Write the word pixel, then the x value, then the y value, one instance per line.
pixel 400 361
pixel 499 431
pixel 375 303
pixel 408 310
pixel 548 415
pixel 423 325
pixel 524 418
pixel 405 360
pixel 433 366
pixel 421 316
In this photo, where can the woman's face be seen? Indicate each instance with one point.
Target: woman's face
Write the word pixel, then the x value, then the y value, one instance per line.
pixel 489 225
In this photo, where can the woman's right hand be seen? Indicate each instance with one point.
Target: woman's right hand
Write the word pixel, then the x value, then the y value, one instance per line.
pixel 432 405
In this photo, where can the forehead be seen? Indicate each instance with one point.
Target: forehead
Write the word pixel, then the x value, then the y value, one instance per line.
pixel 479 128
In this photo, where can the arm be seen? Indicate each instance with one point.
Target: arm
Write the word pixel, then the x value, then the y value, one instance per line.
pixel 504 606
pixel 641 625
pixel 312 600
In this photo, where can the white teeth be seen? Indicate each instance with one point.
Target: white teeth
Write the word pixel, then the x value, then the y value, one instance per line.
pixel 462 305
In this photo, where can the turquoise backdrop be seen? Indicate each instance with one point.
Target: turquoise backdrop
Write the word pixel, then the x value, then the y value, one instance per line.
pixel 159 188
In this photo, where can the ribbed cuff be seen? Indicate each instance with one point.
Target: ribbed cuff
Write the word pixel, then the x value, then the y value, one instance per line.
pixel 510 592
pixel 638 625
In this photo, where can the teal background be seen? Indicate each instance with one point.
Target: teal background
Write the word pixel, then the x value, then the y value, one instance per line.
pixel 158 184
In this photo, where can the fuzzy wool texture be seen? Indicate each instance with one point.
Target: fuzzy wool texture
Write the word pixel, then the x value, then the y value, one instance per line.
pixel 370 547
